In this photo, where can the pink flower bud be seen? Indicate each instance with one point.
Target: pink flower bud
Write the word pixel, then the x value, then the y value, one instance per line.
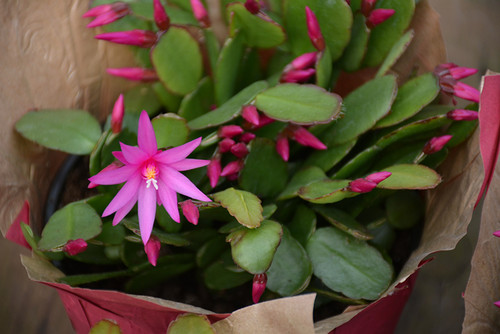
pixel 190 211
pixel 239 150
pixel 461 72
pixel 117 115
pixel 105 14
pixel 497 304
pixel 161 18
pixel 314 31
pixel 466 92
pixel 367 6
pixel 436 144
pixel 225 145
pixel 152 249
pixel 294 76
pixel 258 286
pixel 200 13
pixel 74 247
pixel 247 137
pixel 232 168
pixel 265 120
pixel 305 138
pixel 141 38
pixel 378 16
pixel 361 186
pixel 378 177
pixel 304 61
pixel 497 233
pixel 283 148
pixel 134 73
pixel 213 171
pixel 252 6
pixel 462 115
pixel 250 114
pixel 229 131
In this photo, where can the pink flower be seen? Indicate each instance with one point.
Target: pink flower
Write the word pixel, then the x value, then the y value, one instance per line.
pixel 378 16
pixel 462 115
pixel 117 115
pixel 105 14
pixel 137 37
pixel 151 176
pixel 190 211
pixel 314 31
pixel 152 249
pixel 258 286
pixel 200 13
pixel 134 73
pixel 161 18
pixel 74 247
pixel 436 144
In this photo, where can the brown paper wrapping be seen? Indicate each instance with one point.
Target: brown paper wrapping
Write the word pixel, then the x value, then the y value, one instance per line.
pixel 52 61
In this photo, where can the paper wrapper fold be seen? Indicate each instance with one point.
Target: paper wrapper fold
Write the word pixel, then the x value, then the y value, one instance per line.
pixel 51 60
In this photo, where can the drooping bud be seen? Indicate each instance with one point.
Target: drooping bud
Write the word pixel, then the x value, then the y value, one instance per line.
pixel 239 150
pixel 134 73
pixel 252 6
pixel 105 14
pixel 190 211
pixel 305 138
pixel 466 92
pixel 250 114
pixel 283 148
pixel 74 247
pixel 294 76
pixel 137 37
pixel 378 16
pixel 214 171
pixel 462 115
pixel 436 144
pixel 314 31
pixel 225 145
pixel 200 13
pixel 152 249
pixel 361 186
pixel 229 131
pixel 258 286
pixel 247 137
pixel 304 61
pixel 232 168
pixel 378 176
pixel 117 115
pixel 160 15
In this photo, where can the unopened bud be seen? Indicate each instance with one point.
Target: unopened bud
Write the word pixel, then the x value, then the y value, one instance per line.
pixel 296 76
pixel 247 137
pixel 250 114
pixel 225 145
pixel 105 14
pixel 436 144
pixel 378 16
pixel 462 115
pixel 134 73
pixel 361 186
pixel 229 131
pixel 200 13
pixel 304 61
pixel 314 31
pixel 252 6
pixel 378 177
pixel 190 211
pixel 117 115
pixel 305 138
pixel 152 249
pixel 160 15
pixel 214 171
pixel 283 148
pixel 136 37
pixel 232 168
pixel 74 247
pixel 258 286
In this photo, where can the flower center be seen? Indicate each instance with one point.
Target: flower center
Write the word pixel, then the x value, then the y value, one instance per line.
pixel 150 174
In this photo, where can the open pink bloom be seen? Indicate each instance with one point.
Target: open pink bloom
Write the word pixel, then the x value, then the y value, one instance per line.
pixel 134 73
pixel 161 18
pixel 152 249
pixel 314 31
pixel 137 37
pixel 151 176
pixel 108 13
pixel 258 286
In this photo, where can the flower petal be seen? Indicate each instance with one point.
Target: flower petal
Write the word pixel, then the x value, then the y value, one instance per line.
pixel 124 195
pixel 169 200
pixel 133 154
pixel 146 138
pixel 119 156
pixel 115 176
pixel 121 213
pixel 146 211
pixel 181 184
pixel 187 164
pixel 178 153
